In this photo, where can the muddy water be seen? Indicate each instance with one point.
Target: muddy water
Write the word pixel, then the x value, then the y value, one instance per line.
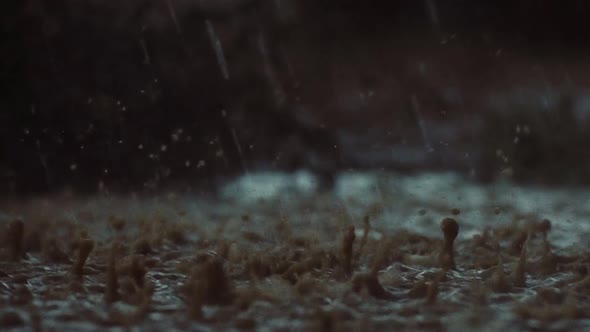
pixel 271 252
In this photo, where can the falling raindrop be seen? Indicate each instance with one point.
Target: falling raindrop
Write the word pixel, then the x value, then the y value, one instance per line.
pixel 146 54
pixel 43 160
pixel 216 43
pixel 433 15
pixel 239 148
pixel 421 124
pixel 173 16
pixel 278 92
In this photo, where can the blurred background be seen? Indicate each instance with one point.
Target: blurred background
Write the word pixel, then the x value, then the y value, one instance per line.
pixel 140 95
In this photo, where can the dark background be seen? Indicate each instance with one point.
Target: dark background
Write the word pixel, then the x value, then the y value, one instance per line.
pixel 131 95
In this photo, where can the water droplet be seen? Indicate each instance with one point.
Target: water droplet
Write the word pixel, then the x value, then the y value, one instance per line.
pixel 218 49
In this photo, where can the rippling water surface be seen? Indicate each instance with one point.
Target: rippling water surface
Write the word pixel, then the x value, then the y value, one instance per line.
pixel 280 242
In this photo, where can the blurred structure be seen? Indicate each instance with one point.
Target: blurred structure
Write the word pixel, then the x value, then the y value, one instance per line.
pixel 139 94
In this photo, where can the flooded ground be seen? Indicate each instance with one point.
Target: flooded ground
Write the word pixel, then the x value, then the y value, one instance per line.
pixel 273 252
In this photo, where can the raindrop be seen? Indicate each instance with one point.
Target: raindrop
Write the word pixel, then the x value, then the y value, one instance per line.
pixel 173 16
pixel 163 148
pixel 421 124
pixel 433 15
pixel 201 163
pixel 239 147
pixel 140 146
pixel 526 130
pixel 146 55
pixel 73 167
pixel 216 43
pixel 279 94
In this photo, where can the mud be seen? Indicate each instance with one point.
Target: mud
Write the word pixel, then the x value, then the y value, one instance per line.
pixel 379 252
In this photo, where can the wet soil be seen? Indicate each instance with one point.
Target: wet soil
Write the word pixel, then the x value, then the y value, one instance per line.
pixel 271 252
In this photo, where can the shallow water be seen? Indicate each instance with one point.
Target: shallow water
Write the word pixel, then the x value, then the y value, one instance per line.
pixel 280 243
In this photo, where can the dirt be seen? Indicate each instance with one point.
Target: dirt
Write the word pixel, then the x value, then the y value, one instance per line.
pixel 272 252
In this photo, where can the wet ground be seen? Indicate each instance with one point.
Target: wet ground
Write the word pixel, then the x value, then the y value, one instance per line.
pixel 273 252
